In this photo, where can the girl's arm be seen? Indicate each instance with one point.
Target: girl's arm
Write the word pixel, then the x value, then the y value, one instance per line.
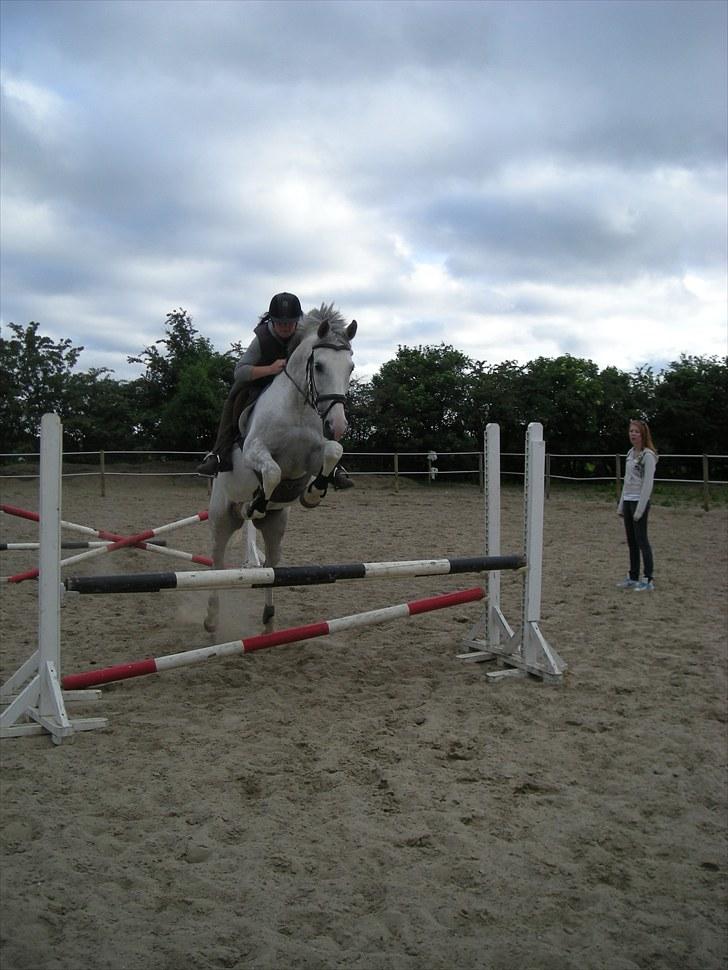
pixel 648 480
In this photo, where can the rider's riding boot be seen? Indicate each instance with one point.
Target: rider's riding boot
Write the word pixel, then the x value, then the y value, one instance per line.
pixel 209 466
pixel 341 479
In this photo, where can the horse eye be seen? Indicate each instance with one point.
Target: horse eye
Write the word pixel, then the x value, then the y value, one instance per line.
pixel 318 367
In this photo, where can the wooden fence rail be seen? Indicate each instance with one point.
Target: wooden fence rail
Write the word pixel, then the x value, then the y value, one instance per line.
pixel 429 464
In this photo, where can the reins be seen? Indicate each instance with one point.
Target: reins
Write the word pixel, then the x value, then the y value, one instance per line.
pixel 311 395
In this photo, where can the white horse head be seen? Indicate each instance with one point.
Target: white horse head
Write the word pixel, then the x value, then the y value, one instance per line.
pixel 322 346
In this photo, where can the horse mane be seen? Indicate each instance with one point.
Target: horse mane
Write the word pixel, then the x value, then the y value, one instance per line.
pixel 314 318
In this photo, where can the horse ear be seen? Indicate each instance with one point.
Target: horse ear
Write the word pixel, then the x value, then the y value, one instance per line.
pixel 323 328
pixel 351 329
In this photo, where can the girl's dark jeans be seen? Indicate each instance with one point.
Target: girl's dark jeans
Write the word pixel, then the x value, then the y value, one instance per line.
pixel 637 541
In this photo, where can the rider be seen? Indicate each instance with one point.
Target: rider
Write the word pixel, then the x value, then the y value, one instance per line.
pixel 262 361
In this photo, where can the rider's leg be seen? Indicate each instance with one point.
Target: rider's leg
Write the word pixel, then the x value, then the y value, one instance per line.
pixel 219 455
pixel 340 479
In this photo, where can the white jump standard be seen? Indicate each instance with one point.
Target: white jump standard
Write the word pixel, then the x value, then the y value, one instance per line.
pixel 526 651
pixel 39 704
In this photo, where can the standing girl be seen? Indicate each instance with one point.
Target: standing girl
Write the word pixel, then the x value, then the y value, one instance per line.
pixel 634 505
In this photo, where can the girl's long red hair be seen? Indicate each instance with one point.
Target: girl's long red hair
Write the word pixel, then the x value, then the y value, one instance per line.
pixel 644 429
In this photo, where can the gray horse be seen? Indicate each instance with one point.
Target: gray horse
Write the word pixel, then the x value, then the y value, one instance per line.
pixel 291 446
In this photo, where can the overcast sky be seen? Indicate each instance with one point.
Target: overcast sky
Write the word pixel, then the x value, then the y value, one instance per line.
pixel 517 179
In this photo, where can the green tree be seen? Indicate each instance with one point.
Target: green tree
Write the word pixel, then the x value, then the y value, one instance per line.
pixel 691 403
pixel 360 415
pixel 498 396
pixel 182 388
pixel 644 385
pixel 101 413
pixel 621 399
pixel 565 395
pixel 188 421
pixel 35 375
pixel 420 400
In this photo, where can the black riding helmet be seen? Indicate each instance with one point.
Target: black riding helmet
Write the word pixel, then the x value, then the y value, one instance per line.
pixel 285 307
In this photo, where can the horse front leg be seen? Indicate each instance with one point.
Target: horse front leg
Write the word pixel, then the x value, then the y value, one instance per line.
pixel 332 456
pixel 268 471
pixel 272 528
pixel 332 453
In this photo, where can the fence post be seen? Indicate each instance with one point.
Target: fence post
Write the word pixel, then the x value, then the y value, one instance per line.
pixel 102 466
pixel 548 475
pixel 396 472
pixel 481 471
pixel 706 480
pixel 617 474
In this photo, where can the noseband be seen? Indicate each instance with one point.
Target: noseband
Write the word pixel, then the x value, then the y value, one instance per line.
pixel 311 395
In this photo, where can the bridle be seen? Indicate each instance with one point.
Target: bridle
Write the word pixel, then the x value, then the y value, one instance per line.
pixel 311 395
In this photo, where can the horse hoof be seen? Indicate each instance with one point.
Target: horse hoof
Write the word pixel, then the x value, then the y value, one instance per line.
pixel 209 626
pixel 311 500
pixel 268 613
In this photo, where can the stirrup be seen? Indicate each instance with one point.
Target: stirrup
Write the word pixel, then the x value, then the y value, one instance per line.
pixel 209 466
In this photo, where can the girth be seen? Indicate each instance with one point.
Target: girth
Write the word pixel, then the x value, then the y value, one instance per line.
pixel 289 489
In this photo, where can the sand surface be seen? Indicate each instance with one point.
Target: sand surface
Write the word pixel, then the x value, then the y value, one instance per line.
pixel 367 801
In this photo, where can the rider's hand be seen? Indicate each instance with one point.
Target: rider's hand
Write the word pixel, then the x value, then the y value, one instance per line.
pixel 277 366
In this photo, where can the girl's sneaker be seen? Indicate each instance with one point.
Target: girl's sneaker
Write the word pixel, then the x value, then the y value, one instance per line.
pixel 627 583
pixel 646 586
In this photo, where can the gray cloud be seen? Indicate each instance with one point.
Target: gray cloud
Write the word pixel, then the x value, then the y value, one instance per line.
pixel 426 165
pixel 577 228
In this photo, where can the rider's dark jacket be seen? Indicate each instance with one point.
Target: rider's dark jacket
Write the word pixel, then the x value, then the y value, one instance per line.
pixel 265 348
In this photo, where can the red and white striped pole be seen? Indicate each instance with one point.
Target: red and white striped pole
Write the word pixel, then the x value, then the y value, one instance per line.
pixel 65 544
pixel 154 665
pixel 115 541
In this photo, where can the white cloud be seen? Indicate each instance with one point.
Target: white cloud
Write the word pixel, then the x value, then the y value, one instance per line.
pixel 38 108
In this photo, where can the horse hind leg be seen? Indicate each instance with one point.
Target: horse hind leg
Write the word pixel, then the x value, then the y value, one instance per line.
pixel 252 554
pixel 223 526
pixel 272 528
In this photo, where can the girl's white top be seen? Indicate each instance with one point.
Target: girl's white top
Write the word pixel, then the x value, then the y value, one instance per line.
pixel 639 477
